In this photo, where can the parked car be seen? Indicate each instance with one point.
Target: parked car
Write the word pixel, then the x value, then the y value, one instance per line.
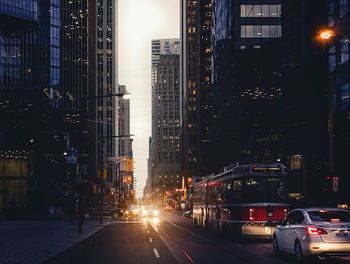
pixel 132 211
pixel 188 214
pixel 313 232
pixel 94 211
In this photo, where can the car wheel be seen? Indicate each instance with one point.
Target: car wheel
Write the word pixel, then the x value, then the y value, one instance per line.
pixel 275 246
pixel 298 253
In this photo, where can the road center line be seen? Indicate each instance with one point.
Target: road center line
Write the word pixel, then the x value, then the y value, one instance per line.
pixel 150 240
pixel 156 253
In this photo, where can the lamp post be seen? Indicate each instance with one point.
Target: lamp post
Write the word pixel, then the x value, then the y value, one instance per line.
pixel 327 35
pixel 124 95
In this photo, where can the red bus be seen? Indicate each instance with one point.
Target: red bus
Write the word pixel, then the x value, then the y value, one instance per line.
pixel 248 200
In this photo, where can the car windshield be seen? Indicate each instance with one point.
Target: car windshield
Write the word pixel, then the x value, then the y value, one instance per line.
pixel 329 216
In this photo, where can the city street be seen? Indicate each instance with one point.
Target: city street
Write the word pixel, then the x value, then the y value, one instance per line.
pixel 172 239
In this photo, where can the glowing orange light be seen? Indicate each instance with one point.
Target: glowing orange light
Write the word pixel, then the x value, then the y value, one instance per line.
pixel 327 34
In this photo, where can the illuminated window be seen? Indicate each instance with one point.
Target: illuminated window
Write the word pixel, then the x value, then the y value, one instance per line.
pixel 296 162
pixel 260 10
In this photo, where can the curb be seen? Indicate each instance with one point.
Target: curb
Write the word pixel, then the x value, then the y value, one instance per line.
pixel 56 258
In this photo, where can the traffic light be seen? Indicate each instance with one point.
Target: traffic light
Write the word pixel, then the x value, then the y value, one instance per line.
pixel 130 165
pixel 129 179
pixel 189 182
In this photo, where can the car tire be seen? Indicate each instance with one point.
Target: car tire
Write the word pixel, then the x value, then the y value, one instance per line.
pixel 298 253
pixel 275 246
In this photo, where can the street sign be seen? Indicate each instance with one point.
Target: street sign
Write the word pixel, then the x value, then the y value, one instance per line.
pixel 335 184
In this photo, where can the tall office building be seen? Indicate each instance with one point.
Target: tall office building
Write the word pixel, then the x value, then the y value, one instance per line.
pixel 196 88
pixel 247 81
pixel 304 104
pixel 43 80
pixel 159 47
pixel 166 142
pixel 124 140
pixel 102 85
pixel 339 69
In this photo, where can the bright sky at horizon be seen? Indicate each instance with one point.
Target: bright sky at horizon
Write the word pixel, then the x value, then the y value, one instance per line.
pixel 140 21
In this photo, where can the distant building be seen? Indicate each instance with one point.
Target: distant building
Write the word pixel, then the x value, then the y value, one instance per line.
pixel 124 139
pixel 125 142
pixel 159 47
pixel 166 141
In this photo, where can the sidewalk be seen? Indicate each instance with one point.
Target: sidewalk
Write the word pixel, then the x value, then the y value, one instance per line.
pixel 38 241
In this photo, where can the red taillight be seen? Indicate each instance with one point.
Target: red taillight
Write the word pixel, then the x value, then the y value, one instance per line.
pixel 251 214
pixel 311 230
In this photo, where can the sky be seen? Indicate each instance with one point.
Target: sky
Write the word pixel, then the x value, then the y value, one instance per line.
pixel 140 21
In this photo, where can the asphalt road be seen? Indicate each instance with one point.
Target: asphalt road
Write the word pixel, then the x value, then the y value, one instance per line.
pixel 172 239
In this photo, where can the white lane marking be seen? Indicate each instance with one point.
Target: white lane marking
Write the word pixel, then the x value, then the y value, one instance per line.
pixel 156 253
pixel 147 231
pixel 150 240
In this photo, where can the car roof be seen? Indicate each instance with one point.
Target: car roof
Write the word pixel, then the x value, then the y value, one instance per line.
pixel 309 209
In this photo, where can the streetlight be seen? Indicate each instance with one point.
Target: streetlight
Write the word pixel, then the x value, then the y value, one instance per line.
pixel 328 35
pixel 125 96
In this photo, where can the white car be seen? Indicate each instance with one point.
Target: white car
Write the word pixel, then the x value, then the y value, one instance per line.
pixel 313 232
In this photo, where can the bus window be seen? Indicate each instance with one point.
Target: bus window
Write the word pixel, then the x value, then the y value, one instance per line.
pixel 237 189
pixel 264 189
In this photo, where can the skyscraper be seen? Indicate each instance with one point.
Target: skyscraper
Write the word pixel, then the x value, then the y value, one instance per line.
pixel 166 142
pixel 339 69
pixel 161 48
pixel 102 85
pixel 196 88
pixel 43 80
pixel 247 81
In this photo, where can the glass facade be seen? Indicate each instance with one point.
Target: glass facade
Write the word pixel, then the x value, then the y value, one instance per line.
pixel 247 81
pixel 27 9
pixel 339 72
pixel 197 115
pixel 43 84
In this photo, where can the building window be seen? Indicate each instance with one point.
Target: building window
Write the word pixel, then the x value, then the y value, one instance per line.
pixel 261 31
pixel 332 59
pixel 344 52
pixel 345 96
pixel 343 8
pixel 260 10
pixel 296 162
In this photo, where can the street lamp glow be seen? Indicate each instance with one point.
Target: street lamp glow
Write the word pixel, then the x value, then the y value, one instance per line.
pixel 327 34
pixel 126 96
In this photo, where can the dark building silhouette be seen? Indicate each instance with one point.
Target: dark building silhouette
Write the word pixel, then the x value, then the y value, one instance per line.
pixel 270 89
pixel 166 168
pixel 247 81
pixel 304 106
pixel 196 76
pixel 339 71
pixel 53 123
